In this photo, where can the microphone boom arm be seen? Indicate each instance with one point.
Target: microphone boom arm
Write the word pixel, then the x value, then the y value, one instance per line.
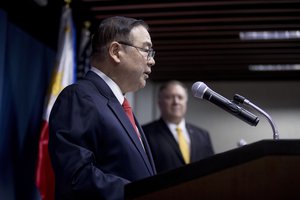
pixel 245 101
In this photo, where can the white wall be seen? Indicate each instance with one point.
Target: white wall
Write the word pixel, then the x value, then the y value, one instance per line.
pixel 281 100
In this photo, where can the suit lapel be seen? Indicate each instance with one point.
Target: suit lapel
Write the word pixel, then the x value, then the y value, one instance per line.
pixel 193 145
pixel 146 147
pixel 121 115
pixel 171 140
pixel 117 109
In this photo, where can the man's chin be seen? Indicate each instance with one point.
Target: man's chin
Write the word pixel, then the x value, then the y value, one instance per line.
pixel 143 83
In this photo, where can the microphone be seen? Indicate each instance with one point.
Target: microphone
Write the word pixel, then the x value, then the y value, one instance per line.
pixel 200 90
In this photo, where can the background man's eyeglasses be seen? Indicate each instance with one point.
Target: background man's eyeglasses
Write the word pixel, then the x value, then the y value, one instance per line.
pixel 151 52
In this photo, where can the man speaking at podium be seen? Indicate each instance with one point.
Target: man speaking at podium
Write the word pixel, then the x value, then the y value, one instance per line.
pixel 95 143
pixel 172 140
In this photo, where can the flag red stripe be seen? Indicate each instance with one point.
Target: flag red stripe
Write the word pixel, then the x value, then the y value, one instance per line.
pixel 44 172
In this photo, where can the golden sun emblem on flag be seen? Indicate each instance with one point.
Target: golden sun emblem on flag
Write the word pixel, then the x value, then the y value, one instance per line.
pixel 56 84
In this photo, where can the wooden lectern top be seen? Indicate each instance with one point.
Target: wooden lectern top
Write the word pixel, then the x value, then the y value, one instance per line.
pixel 267 169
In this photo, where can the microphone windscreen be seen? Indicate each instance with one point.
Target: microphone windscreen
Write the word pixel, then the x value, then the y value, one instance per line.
pixel 198 89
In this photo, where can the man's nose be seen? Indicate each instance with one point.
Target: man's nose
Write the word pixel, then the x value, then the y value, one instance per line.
pixel 151 62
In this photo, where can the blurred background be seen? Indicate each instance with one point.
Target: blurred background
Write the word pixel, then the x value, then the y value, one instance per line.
pixel 246 47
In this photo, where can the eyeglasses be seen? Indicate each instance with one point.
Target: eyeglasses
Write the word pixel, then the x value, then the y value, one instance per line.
pixel 150 52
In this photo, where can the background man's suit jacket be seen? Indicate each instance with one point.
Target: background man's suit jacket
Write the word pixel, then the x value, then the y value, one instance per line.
pixel 165 149
pixel 94 148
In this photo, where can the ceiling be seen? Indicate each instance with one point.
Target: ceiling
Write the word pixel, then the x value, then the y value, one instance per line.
pixel 199 40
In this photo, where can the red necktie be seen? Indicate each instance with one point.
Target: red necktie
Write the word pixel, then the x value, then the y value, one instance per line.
pixel 128 111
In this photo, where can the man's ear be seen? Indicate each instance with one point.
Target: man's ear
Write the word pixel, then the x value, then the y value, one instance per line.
pixel 114 51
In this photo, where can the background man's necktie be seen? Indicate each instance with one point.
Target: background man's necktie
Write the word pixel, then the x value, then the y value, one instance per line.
pixel 183 145
pixel 128 111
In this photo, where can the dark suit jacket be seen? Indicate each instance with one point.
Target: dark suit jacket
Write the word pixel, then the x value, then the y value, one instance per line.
pixel 165 149
pixel 93 147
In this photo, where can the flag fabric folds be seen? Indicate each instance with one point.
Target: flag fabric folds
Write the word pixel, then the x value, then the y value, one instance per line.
pixel 85 51
pixel 64 74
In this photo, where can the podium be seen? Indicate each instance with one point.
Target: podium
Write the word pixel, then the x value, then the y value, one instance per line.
pixel 267 169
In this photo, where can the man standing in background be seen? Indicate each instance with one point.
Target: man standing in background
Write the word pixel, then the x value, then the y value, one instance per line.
pixel 172 140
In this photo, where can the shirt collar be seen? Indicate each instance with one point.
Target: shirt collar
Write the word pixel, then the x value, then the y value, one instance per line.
pixel 173 126
pixel 112 85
